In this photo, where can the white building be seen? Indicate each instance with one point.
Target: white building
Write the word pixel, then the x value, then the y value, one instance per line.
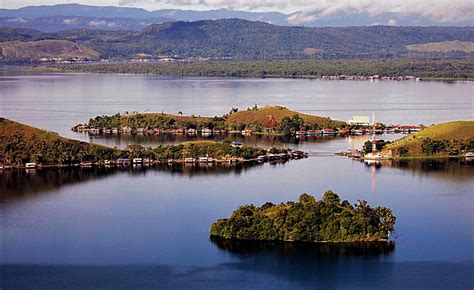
pixel 359 120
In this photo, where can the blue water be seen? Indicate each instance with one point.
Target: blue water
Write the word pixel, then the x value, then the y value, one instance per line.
pixel 148 228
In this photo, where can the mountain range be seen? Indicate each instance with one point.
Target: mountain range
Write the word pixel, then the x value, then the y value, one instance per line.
pixel 75 16
pixel 242 39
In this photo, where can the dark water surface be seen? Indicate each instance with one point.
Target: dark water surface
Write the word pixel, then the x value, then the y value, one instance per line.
pixel 148 228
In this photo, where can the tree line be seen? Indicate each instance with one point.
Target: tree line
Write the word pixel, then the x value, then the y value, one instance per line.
pixel 455 68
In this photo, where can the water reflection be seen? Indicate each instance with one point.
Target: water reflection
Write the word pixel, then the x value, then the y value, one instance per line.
pixel 21 183
pixel 242 248
pixel 123 140
pixel 18 183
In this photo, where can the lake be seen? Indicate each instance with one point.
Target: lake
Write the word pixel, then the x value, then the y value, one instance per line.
pixel 148 227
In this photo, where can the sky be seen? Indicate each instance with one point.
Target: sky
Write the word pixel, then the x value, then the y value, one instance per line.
pixel 441 10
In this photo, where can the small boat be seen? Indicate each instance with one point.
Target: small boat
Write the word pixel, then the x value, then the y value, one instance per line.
pixel 30 165
pixel 86 164
pixel 137 160
pixel 373 156
pixel 469 156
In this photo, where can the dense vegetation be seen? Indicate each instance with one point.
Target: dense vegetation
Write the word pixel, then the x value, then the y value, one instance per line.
pixel 367 148
pixel 256 119
pixel 446 139
pixel 21 143
pixel 309 220
pixel 426 68
pixel 216 150
pixel 241 39
pixel 156 121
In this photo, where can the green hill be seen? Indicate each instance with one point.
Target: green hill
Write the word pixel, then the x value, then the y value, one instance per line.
pixel 20 143
pixel 452 138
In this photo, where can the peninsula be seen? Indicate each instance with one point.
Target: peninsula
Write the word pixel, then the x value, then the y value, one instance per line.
pixel 22 145
pixel 308 220
pixel 451 139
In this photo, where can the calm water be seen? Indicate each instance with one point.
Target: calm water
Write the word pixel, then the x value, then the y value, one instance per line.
pixel 148 228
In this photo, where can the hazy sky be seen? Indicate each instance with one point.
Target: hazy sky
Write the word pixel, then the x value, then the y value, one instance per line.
pixel 443 10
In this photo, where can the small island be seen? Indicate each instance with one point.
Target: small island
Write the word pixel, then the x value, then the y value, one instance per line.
pixel 308 220
pixel 274 120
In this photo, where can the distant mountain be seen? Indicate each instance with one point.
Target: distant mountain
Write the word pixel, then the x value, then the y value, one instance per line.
pixel 58 23
pixel 75 10
pixel 241 39
pixel 125 17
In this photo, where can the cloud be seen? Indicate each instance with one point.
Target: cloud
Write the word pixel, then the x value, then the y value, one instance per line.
pixel 301 18
pixel 17 19
pixel 392 22
pixel 69 20
pixel 310 10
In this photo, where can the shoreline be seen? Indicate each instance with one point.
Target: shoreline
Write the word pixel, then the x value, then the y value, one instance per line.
pixel 388 241
pixel 47 69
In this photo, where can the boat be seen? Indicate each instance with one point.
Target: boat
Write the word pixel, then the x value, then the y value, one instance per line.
pixel 86 164
pixel 30 165
pixel 137 160
pixel 469 156
pixel 373 156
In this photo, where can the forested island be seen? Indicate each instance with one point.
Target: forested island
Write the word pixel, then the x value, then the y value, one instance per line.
pixel 450 68
pixel 308 220
pixel 20 144
pixel 264 120
pixel 451 139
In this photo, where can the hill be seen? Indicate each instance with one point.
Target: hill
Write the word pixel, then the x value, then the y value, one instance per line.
pixel 241 39
pixel 308 220
pixel 452 138
pixel 262 116
pixel 20 143
pixel 32 51
pixel 445 46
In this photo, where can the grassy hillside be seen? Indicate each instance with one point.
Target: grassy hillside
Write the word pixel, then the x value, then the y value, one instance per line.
pixel 445 46
pixel 261 117
pixel 452 138
pixel 50 48
pixel 20 143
